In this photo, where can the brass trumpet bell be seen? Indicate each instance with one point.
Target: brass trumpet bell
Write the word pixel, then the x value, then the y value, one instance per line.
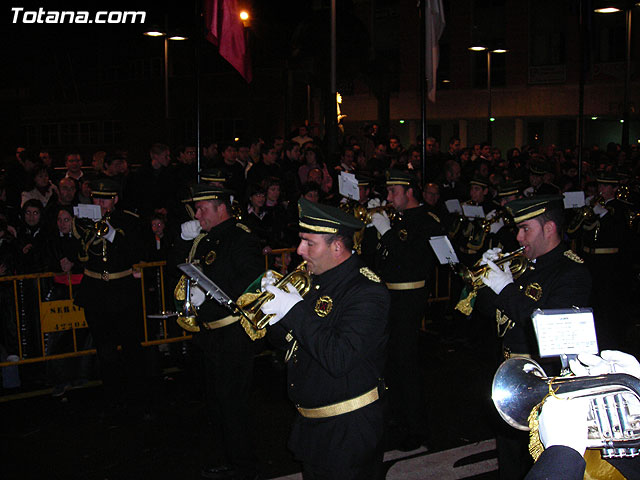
pixel 251 304
pixel 613 421
pixel 518 264
pixel 364 214
pixel 101 227
pixel 585 216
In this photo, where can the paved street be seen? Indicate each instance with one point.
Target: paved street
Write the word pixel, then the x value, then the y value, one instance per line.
pixel 65 439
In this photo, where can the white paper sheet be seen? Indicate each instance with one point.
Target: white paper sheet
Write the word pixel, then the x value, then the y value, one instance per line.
pixel 348 186
pixel 568 331
pixel 443 249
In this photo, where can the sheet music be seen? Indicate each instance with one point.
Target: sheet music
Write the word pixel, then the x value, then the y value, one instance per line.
pixel 453 205
pixel 568 331
pixel 84 210
pixel 348 186
pixel 573 199
pixel 443 249
pixel 473 211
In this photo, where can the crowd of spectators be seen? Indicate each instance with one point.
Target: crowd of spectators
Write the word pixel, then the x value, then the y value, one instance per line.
pixel 267 177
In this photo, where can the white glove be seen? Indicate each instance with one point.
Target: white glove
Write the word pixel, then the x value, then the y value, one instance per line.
pixel 267 279
pixel 497 279
pixel 381 222
pixel 111 233
pixel 600 210
pixel 609 361
pixel 190 230
pixel 374 203
pixel 564 422
pixel 621 362
pixel 196 296
pixel 492 254
pixel 588 364
pixel 282 302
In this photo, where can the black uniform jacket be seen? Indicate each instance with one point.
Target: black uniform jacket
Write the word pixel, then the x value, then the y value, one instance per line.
pixel 230 256
pixel 560 462
pixel 404 252
pixel 113 257
pixel 610 230
pixel 557 279
pixel 340 356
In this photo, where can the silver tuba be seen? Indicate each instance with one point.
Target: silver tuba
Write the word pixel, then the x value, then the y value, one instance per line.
pixel 614 413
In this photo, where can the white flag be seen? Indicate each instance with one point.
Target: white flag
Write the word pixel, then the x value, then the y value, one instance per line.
pixel 434 29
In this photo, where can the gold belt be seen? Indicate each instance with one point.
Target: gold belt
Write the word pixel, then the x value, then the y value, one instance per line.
pixel 106 276
pixel 223 322
pixel 406 285
pixel 598 251
pixel 341 407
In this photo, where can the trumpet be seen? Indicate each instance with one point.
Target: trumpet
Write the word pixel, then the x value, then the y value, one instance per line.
pixel 364 214
pixel 518 264
pixel 248 305
pixel 101 227
pixel 479 228
pixel 585 215
pixel 251 303
pixel 613 421
pixel 89 231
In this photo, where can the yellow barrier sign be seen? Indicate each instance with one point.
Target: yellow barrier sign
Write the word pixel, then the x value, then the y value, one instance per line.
pixel 61 315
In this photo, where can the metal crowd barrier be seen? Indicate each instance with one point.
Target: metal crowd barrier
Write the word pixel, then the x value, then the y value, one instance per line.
pixel 61 315
pixel 442 284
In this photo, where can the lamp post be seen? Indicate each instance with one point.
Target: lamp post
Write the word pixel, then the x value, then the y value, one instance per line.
pixel 627 7
pixel 489 51
pixel 157 32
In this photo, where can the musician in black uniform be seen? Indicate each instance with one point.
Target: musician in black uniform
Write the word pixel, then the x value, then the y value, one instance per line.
pixel 109 293
pixel 503 232
pixel 472 236
pixel 367 238
pixel 538 170
pixel 229 254
pixel 337 338
pixel 406 264
pixel 555 278
pixel 605 246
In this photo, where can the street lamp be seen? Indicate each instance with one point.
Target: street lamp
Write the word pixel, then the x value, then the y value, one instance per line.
pixel 627 7
pixel 155 31
pixel 479 47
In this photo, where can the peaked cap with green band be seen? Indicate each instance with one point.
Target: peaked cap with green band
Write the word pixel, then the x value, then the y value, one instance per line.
pixel 104 188
pixel 203 191
pixel 364 180
pixel 213 175
pixel 480 181
pixel 318 218
pixel 538 168
pixel 527 208
pixel 509 188
pixel 399 177
pixel 608 177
